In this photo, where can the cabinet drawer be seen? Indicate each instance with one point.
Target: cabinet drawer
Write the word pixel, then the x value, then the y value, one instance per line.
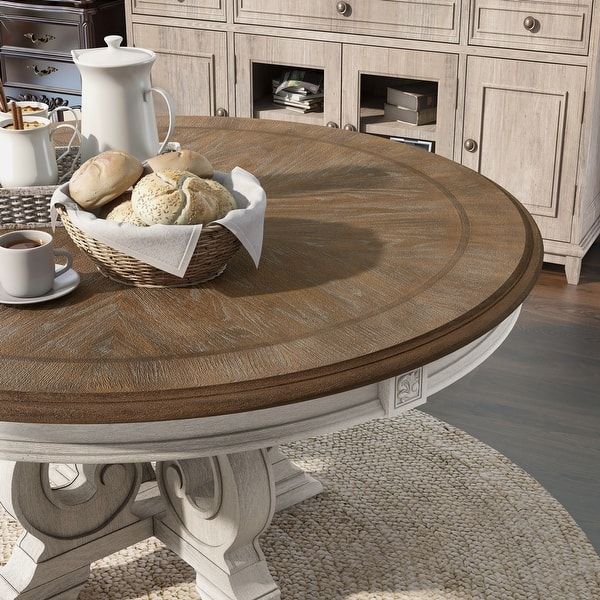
pixel 39 73
pixel 212 10
pixel 432 20
pixel 36 35
pixel 553 27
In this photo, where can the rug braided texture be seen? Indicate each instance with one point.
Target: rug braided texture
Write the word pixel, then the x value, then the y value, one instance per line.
pixel 413 509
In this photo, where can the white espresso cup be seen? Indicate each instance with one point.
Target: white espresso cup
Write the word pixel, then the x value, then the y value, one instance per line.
pixel 29 272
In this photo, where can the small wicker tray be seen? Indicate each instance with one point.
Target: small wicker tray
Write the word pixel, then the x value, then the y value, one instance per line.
pixel 215 248
pixel 30 206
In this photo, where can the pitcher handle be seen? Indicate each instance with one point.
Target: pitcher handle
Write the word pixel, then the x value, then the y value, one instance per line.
pixel 171 112
pixel 75 134
pixel 68 109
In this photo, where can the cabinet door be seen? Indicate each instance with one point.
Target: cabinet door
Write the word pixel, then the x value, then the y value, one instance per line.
pixel 191 66
pixel 521 129
pixel 259 59
pixel 369 71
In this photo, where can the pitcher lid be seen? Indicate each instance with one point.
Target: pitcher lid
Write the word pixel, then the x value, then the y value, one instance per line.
pixel 113 55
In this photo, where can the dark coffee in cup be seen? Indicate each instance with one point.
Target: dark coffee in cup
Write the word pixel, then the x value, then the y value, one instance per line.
pixel 28 266
pixel 22 244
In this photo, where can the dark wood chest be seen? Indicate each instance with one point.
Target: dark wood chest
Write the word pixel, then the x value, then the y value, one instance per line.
pixel 36 40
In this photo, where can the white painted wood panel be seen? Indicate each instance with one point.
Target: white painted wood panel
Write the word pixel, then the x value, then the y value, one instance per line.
pixel 194 9
pixel 551 26
pixel 433 20
pixel 524 122
pixel 191 65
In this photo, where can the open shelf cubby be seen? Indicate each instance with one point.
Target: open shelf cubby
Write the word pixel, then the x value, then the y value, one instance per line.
pixel 262 94
pixel 373 94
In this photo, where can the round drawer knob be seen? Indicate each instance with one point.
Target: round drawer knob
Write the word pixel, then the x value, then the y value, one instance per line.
pixel 530 23
pixel 470 145
pixel 333 125
pixel 342 7
pixel 221 112
pixel 349 127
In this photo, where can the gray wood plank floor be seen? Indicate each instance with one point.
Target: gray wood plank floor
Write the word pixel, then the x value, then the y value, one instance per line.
pixel 537 399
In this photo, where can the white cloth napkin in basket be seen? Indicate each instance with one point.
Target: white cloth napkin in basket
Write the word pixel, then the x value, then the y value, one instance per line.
pixel 170 247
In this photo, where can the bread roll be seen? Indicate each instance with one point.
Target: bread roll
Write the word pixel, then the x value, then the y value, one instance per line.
pixel 219 193
pixel 184 160
pixel 103 178
pixel 172 198
pixel 121 211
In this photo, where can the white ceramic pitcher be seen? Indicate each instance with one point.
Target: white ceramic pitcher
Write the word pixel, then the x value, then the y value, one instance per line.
pixel 117 107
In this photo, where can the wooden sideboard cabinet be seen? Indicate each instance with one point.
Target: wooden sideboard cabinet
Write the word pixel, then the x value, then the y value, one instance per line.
pixel 518 83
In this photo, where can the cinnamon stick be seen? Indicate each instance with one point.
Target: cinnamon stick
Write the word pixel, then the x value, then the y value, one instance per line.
pixel 3 101
pixel 17 115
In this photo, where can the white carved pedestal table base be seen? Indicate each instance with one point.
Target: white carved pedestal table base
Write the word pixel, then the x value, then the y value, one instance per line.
pixel 209 509
pixel 66 529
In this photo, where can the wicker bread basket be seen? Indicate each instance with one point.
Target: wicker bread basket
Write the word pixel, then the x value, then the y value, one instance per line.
pixel 216 246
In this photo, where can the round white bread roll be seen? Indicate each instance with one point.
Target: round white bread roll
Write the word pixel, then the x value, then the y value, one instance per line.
pixel 103 178
pixel 183 160
pixel 219 193
pixel 121 211
pixel 176 198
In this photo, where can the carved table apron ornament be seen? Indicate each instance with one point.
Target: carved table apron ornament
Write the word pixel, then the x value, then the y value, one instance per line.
pixel 387 274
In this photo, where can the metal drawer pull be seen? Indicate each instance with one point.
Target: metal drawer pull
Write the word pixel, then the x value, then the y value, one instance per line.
pixel 349 127
pixel 36 39
pixel 342 7
pixel 333 125
pixel 42 72
pixel 221 112
pixel 530 23
pixel 470 145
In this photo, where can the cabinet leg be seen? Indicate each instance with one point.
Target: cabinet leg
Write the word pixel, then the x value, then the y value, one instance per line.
pixel 66 528
pixel 216 508
pixel 573 269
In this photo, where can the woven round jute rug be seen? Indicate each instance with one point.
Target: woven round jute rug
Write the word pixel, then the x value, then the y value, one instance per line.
pixel 413 510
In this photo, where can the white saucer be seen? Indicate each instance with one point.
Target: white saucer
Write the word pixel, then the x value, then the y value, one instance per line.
pixel 64 284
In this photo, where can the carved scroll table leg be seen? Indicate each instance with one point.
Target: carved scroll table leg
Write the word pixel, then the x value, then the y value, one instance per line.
pixel 66 528
pixel 216 509
pixel 292 484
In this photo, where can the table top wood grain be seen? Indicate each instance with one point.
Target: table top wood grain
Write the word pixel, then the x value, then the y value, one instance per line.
pixel 377 258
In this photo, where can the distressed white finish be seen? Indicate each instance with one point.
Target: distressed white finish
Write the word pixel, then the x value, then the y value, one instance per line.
pixel 220 479
pixel 292 484
pixel 215 510
pixel 66 529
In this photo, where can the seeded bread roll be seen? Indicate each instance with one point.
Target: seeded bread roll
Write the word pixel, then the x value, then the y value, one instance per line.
pixel 103 178
pixel 173 198
pixel 183 160
pixel 121 211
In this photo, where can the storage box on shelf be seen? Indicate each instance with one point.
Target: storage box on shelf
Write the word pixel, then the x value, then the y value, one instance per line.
pixel 518 83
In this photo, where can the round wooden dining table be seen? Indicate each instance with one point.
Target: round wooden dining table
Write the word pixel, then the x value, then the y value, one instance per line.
pixel 387 273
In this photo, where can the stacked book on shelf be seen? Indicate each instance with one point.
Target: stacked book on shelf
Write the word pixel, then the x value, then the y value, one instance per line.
pixel 413 103
pixel 299 90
